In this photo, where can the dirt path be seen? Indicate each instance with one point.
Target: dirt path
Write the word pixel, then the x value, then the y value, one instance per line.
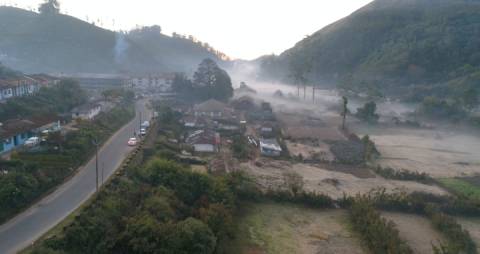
pixel 416 230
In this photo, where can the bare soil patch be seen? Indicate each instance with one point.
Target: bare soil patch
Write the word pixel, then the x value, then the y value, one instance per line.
pixel 310 150
pixel 441 154
pixel 416 230
pixel 269 174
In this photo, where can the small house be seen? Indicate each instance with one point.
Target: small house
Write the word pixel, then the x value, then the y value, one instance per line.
pixel 14 133
pixel 86 111
pixel 270 147
pixel 212 108
pixel 204 141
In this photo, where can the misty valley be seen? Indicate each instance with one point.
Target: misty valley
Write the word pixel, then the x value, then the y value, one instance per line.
pixel 363 137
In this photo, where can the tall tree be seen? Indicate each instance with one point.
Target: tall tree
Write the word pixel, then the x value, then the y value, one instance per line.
pixel 212 82
pixel 344 111
pixel 49 7
pixel 368 112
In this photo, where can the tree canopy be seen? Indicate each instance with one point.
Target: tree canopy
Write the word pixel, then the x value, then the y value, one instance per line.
pixel 209 82
pixel 49 7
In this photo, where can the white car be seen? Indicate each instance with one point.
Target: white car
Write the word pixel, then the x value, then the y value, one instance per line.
pixel 33 141
pixel 132 142
pixel 143 132
pixel 146 124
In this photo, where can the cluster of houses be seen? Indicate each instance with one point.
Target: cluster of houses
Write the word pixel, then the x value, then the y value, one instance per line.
pixel 206 121
pixel 24 85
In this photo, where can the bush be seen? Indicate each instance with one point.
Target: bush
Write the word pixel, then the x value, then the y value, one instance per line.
pixel 380 235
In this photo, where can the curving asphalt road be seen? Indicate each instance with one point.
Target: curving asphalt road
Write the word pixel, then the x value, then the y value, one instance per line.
pixel 28 226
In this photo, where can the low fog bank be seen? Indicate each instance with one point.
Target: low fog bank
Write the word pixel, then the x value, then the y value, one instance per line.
pixel 327 99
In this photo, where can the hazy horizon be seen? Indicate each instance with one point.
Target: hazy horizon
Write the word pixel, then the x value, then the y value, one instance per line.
pixel 239 29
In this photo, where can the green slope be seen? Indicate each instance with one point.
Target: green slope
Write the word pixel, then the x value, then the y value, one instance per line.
pixel 392 43
pixel 31 42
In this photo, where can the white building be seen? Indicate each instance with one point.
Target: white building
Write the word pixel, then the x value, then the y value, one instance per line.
pixel 86 111
pixel 16 87
pixel 161 83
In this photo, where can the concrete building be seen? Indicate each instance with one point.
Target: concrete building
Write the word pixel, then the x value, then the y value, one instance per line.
pixel 17 87
pixel 87 111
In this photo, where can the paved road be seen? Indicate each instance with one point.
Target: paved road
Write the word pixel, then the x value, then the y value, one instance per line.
pixel 28 226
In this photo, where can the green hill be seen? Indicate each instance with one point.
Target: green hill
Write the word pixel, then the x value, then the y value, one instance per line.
pixel 32 42
pixel 392 45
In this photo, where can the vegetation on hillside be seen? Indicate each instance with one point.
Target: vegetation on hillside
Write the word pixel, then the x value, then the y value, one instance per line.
pixel 52 42
pixel 406 49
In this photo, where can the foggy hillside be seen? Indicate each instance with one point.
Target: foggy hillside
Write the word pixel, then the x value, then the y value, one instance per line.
pixel 390 44
pixel 32 42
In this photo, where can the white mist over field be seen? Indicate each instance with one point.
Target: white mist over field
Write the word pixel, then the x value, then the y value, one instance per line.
pixel 327 99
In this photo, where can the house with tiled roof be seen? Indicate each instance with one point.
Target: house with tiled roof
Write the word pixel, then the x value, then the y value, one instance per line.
pixel 14 133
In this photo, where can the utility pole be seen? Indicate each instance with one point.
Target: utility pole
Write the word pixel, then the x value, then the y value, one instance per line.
pixel 95 143
pixel 313 94
pixel 103 169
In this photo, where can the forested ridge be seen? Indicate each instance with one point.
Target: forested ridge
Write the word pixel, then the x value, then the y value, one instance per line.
pixel 420 47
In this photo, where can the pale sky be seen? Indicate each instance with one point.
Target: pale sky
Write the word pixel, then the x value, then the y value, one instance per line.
pixel 243 29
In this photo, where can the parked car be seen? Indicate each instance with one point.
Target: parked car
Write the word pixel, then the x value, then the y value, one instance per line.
pixel 132 142
pixel 143 132
pixel 33 141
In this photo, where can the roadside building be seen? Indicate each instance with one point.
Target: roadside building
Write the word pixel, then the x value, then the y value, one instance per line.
pixel 204 141
pixel 87 111
pixel 270 147
pixel 14 133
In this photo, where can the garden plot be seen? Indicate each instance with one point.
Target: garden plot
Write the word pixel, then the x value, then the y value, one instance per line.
pixel 286 229
pixel 416 230
pixel 310 150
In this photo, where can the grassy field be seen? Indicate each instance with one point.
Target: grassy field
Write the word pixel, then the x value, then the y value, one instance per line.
pixel 462 187
pixel 273 228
